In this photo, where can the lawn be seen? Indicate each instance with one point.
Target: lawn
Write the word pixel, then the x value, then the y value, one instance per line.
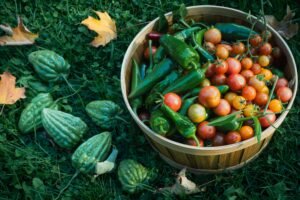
pixel 32 168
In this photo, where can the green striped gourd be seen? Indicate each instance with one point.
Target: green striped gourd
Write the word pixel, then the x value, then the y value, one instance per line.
pixel 95 149
pixel 31 116
pixel 104 113
pixel 50 66
pixel 133 175
pixel 65 129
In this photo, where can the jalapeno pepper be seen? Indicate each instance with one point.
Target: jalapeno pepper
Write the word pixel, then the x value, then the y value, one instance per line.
pixel 159 87
pixel 135 80
pixel 183 125
pixel 197 39
pixel 159 72
pixel 186 33
pixel 187 82
pixel 186 104
pixel 232 31
pixel 179 51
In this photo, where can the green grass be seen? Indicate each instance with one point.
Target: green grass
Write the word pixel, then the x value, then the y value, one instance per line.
pixel 32 168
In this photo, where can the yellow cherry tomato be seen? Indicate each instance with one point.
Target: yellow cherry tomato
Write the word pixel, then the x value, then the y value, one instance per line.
pixel 275 105
pixel 205 82
pixel 239 102
pixel 267 74
pixel 197 113
pixel 230 96
pixel 250 110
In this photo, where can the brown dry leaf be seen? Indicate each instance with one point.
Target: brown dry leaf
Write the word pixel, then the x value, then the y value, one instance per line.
pixel 285 27
pixel 105 27
pixel 19 35
pixel 183 185
pixel 9 94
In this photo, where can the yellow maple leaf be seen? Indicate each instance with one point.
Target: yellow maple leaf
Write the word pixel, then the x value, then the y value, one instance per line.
pixel 9 94
pixel 105 27
pixel 19 35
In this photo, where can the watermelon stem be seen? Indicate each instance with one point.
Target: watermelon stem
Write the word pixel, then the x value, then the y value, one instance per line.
pixel 68 184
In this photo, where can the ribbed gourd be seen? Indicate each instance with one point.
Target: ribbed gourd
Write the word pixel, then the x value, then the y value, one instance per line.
pixel 50 66
pixel 133 175
pixel 95 149
pixel 104 113
pixel 31 116
pixel 65 129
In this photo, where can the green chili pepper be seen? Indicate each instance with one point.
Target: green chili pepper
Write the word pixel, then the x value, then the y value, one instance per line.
pixel 232 31
pixel 277 72
pixel 186 33
pixel 159 123
pixel 186 82
pixel 135 80
pixel 231 126
pixel 199 36
pixel 222 88
pixel 184 126
pixel 186 104
pixel 220 121
pixel 179 51
pixel 200 49
pixel 257 128
pixel 159 55
pixel 159 87
pixel 162 69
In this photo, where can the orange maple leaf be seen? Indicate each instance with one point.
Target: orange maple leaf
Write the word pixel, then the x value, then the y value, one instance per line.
pixel 9 94
pixel 19 35
pixel 105 27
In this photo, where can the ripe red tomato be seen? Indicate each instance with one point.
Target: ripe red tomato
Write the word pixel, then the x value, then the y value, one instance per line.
pixel 265 49
pixel 219 79
pixel 206 132
pixel 221 67
pixel 192 142
pixel 238 48
pixel 249 93
pixel 268 119
pixel 247 73
pixel 232 137
pixel 261 99
pixel 234 66
pixel 210 70
pixel 256 68
pixel 213 35
pixel 147 52
pixel 284 94
pixel 236 82
pixel 247 63
pixel 173 101
pixel 223 108
pixel 246 132
pixel 219 139
pixel 282 82
pixel 209 96
pixel 222 52
pixel 255 40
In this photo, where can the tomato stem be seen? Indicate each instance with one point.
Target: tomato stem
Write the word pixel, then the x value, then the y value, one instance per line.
pixel 271 94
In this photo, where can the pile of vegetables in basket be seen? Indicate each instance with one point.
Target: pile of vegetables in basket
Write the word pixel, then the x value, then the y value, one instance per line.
pixel 208 85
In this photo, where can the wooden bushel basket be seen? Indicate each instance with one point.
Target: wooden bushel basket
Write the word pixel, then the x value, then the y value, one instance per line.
pixel 207 159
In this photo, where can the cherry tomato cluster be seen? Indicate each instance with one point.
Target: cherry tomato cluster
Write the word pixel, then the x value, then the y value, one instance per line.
pixel 246 67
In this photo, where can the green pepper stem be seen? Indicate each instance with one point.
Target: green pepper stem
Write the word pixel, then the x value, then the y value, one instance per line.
pixel 271 94
pixel 196 140
pixel 184 23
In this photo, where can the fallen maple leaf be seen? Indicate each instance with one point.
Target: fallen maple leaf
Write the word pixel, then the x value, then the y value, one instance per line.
pixel 9 94
pixel 105 27
pixel 285 27
pixel 182 186
pixel 19 35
